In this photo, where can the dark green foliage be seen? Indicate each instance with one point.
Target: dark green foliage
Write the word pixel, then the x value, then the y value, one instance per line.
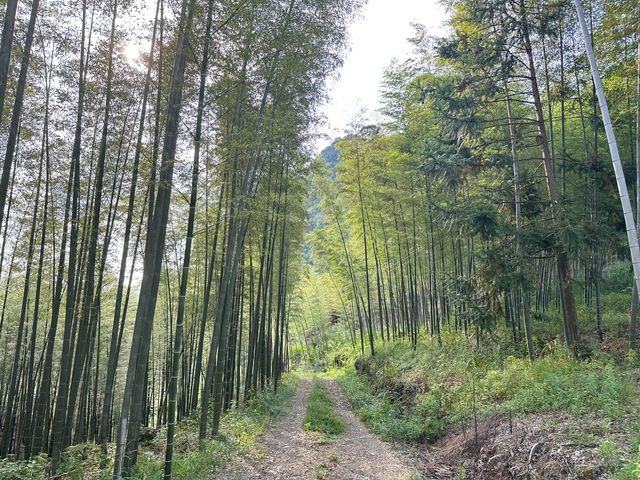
pixel 617 277
pixel 408 395
pixel 389 419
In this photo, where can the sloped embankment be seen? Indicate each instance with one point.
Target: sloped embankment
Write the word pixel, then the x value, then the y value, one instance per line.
pixel 478 413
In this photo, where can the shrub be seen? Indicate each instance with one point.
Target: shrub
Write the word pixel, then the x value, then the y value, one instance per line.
pixel 617 277
pixel 406 394
pixel 34 469
pixel 429 410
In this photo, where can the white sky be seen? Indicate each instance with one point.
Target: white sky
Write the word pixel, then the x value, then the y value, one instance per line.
pixel 376 38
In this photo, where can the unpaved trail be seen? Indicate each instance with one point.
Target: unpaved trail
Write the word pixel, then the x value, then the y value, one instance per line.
pixel 286 452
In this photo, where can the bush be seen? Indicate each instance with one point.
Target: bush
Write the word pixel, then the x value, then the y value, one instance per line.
pixel 34 469
pixel 617 277
pixel 408 395
pixel 429 410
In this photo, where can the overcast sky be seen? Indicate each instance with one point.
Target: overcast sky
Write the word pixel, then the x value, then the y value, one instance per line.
pixel 377 37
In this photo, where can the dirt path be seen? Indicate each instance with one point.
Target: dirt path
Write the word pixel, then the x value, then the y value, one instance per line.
pixel 286 452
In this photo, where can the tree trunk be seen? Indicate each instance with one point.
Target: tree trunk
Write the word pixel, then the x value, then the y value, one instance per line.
pixel 633 323
pixel 5 49
pixel 59 419
pixel 22 84
pixel 632 234
pixel 177 346
pixel 10 420
pixel 518 204
pixel 570 322
pixel 131 413
pixel 114 350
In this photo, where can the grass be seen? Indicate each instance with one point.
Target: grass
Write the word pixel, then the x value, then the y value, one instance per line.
pixel 629 469
pixel 321 416
pixel 322 471
pixel 619 465
pixel 409 395
pixel 238 431
pixel 384 417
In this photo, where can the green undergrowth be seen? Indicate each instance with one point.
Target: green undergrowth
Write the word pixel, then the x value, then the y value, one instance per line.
pixel 321 416
pixel 410 395
pixel 77 462
pixel 406 394
pixel 618 465
pixel 630 471
pixel 615 463
pixel 238 431
pixel 33 469
pixel 388 419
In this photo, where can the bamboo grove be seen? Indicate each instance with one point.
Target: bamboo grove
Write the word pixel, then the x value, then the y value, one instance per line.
pixel 152 210
pixel 486 196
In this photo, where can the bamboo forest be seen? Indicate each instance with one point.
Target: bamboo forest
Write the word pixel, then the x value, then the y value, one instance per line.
pixel 319 239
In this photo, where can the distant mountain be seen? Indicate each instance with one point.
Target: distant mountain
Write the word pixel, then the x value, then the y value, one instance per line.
pixel 331 158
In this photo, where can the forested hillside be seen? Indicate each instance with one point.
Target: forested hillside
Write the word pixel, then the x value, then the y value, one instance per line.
pixel 172 246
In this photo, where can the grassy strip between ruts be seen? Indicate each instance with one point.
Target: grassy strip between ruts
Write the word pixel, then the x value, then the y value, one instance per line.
pixel 321 416
pixel 239 429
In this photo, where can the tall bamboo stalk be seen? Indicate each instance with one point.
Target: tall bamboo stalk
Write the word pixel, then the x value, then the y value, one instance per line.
pixel 632 234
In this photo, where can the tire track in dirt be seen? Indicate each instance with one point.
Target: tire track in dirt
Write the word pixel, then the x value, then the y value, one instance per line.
pixel 286 452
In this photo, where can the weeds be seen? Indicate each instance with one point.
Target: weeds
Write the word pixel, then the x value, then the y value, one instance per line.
pixel 239 429
pixel 321 416
pixel 322 471
pixel 409 395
